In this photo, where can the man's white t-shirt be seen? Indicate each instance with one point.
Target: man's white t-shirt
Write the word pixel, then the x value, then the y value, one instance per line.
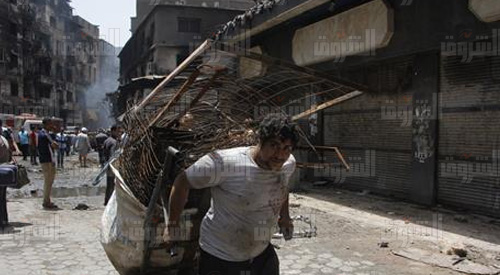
pixel 246 202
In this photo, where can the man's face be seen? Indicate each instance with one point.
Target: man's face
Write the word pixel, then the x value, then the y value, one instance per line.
pixel 275 152
pixel 115 133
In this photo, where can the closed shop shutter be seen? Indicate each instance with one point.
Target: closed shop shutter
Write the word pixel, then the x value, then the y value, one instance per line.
pixel 469 134
pixel 368 136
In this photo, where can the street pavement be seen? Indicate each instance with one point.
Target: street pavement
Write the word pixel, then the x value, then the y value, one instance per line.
pixel 343 234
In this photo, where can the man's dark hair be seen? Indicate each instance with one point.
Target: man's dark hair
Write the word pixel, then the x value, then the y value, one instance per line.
pixel 278 126
pixel 114 128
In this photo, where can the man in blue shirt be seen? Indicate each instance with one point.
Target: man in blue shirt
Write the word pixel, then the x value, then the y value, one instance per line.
pixel 24 141
pixel 46 146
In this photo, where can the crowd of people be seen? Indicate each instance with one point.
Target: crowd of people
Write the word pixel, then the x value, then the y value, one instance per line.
pixel 49 144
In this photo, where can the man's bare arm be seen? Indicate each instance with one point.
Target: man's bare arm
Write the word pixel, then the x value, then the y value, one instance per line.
pixel 178 198
pixel 285 210
pixel 285 223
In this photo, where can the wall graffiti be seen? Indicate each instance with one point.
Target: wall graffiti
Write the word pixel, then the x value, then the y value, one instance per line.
pixel 422 138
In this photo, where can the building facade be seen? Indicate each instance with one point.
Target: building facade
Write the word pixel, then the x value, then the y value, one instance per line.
pixel 424 130
pixel 144 7
pixel 164 37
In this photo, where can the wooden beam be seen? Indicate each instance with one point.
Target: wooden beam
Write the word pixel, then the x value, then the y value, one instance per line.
pixel 327 104
pixel 331 148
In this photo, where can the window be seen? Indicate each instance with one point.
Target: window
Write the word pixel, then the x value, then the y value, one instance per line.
pixel 69 96
pixel 13 29
pixel 58 47
pixel 59 72
pixel 45 92
pixel 69 75
pixel 192 25
pixel 14 88
pixel 3 57
pixel 53 21
pixel 14 62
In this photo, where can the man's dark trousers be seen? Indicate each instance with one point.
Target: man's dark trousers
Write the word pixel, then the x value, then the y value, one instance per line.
pixel 266 263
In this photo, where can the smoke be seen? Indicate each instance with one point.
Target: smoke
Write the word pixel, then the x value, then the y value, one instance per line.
pixel 107 82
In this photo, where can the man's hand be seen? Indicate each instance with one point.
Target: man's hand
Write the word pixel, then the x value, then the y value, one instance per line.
pixel 286 227
pixel 171 237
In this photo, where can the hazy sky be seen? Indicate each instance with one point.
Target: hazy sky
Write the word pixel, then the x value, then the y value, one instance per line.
pixel 112 17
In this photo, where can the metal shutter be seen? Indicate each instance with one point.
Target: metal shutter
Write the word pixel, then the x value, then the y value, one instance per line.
pixel 359 128
pixel 469 134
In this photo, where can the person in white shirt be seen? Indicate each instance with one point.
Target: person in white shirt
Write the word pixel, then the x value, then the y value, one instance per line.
pixel 83 147
pixel 249 188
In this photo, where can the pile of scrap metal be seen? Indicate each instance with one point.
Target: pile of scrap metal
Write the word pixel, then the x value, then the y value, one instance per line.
pixel 213 100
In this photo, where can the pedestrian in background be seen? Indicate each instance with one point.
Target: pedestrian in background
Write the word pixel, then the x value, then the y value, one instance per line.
pixel 83 146
pixel 100 138
pixel 7 134
pixel 33 142
pixel 109 147
pixel 46 146
pixel 68 144
pixel 61 139
pixel 72 136
pixel 24 142
pixel 5 157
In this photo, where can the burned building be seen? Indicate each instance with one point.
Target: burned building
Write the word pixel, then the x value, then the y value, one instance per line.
pixel 426 130
pixel 16 43
pixel 48 59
